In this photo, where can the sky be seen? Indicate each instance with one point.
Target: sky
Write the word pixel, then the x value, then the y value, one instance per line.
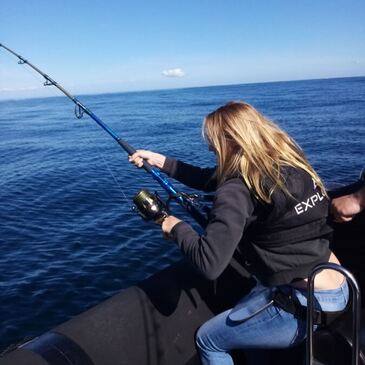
pixel 116 45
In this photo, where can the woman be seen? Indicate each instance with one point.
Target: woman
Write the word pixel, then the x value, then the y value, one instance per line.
pixel 272 206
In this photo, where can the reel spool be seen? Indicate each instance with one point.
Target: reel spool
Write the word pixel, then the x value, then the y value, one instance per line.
pixel 150 206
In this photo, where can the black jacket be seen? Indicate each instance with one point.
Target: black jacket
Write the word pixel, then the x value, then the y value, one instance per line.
pixel 279 243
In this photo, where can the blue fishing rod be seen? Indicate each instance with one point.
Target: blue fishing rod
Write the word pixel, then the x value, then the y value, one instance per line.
pixel 150 206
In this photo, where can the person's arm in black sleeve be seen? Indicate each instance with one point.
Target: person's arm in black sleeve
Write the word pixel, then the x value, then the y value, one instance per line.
pixel 192 176
pixel 212 251
pixel 345 207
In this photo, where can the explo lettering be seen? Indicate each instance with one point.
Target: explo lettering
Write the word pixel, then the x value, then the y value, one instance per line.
pixel 310 203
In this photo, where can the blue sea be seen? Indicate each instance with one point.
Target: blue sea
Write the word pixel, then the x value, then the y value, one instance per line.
pixel 69 238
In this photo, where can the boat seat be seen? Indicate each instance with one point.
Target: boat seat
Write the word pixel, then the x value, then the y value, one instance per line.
pixel 332 345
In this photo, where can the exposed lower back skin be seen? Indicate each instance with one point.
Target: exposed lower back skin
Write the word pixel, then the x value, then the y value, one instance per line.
pixel 325 279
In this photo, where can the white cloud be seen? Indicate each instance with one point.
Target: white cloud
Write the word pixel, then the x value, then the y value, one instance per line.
pixel 173 72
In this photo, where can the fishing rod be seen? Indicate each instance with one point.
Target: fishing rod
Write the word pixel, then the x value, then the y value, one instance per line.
pixel 150 206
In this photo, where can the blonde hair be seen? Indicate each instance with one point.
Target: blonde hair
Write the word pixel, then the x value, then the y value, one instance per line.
pixel 249 144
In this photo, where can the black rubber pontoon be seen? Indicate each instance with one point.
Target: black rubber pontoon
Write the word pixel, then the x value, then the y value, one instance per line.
pixel 154 322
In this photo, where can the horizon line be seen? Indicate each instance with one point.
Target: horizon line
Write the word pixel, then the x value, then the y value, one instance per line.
pixel 178 88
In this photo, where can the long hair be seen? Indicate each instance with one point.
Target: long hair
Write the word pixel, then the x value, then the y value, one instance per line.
pixel 249 144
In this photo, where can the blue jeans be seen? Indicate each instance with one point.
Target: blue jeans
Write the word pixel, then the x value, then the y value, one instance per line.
pixel 255 323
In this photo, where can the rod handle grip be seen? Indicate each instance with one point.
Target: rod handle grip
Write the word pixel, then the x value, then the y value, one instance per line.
pixel 130 150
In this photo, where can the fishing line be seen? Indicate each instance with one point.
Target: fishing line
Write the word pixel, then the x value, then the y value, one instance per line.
pixel 53 92
pixel 106 164
pixel 98 151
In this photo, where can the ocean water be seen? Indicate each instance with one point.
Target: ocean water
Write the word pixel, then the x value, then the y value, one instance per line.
pixel 68 236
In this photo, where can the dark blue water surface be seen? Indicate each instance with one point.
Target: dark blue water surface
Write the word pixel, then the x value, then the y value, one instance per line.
pixel 68 236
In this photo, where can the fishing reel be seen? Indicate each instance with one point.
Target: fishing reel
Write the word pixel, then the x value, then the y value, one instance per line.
pixel 150 206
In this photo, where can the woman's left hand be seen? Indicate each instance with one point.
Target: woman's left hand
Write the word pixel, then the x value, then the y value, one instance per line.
pixel 168 224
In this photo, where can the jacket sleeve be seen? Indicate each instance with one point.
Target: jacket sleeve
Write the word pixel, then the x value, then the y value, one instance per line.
pixel 192 176
pixel 211 252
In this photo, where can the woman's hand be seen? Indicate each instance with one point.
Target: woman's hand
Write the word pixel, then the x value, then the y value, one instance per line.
pixel 154 159
pixel 168 224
